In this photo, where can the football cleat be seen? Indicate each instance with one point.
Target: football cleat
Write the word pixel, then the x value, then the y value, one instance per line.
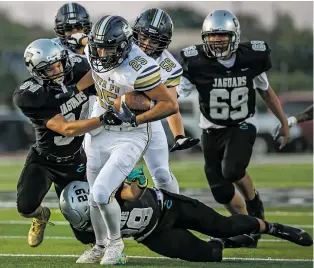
pixel 36 232
pixel 114 249
pixel 292 234
pixel 239 241
pixel 91 255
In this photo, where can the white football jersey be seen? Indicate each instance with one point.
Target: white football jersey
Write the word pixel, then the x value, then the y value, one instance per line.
pixel 170 69
pixel 138 72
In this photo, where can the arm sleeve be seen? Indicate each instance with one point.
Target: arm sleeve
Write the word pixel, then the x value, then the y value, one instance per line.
pixel 34 108
pixel 261 81
pixel 174 79
pixel 307 115
pixel 148 79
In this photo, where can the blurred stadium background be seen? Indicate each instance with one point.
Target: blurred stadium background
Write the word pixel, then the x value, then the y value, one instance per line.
pixel 284 179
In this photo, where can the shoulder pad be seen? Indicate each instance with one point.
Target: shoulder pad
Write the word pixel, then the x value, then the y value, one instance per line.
pixel 257 45
pixel 76 59
pixel 190 51
pixel 29 94
pixel 30 85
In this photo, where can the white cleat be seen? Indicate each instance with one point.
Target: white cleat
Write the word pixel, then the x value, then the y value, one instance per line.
pixel 91 255
pixel 113 251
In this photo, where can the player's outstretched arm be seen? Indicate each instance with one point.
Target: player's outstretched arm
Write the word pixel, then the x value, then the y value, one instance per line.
pixel 274 105
pixel 72 128
pixel 136 183
pixel 306 115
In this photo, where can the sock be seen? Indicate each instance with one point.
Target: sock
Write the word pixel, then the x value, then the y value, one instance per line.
pixel 99 226
pixel 270 227
pixel 38 213
pixel 111 214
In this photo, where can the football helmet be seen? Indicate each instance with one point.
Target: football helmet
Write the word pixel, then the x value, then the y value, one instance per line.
pixel 109 43
pixel 156 26
pixel 74 205
pixel 221 22
pixel 41 55
pixel 69 17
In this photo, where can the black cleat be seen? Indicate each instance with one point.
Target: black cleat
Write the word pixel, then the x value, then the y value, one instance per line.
pixel 239 241
pixel 294 235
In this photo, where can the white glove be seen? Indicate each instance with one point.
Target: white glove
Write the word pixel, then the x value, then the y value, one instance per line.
pixel 292 121
pixel 76 39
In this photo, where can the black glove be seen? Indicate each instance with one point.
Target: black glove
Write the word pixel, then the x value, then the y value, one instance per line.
pixel 109 118
pixel 126 116
pixel 183 143
pixel 71 91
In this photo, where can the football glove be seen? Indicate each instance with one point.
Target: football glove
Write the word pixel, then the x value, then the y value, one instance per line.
pixel 126 116
pixel 183 143
pixel 109 118
pixel 68 92
pixel 76 39
pixel 137 176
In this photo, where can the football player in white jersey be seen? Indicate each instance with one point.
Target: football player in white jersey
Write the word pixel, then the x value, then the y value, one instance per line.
pixel 119 66
pixel 152 32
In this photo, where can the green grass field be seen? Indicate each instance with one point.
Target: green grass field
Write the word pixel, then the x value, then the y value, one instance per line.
pixel 191 175
pixel 60 249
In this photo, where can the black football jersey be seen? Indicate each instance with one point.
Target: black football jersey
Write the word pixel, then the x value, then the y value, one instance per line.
pixel 39 104
pixel 139 216
pixel 226 95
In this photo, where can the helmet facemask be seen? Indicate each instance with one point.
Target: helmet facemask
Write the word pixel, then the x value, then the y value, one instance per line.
pixel 220 44
pixel 44 70
pixel 151 43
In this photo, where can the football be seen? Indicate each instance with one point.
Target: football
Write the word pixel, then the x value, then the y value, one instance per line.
pixel 137 102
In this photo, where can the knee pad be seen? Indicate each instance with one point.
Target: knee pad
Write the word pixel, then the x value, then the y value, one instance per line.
pixel 161 176
pixel 101 194
pixel 233 172
pixel 224 193
pixel 91 200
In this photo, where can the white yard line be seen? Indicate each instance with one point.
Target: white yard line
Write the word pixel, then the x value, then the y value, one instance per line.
pixel 73 238
pixel 146 257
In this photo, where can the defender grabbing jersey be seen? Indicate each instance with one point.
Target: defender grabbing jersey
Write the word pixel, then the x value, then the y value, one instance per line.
pixel 57 155
pixel 226 75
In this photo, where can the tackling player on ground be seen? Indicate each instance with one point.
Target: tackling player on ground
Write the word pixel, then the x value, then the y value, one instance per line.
pixel 227 74
pixel 161 221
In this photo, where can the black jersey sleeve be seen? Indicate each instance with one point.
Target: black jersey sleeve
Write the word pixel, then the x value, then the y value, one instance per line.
pixel 261 55
pixel 185 54
pixel 32 100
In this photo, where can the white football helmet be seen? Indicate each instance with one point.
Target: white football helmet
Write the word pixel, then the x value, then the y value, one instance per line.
pixel 221 22
pixel 74 205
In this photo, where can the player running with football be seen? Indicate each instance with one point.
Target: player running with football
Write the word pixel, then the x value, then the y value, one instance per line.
pixel 119 67
pixel 161 221
pixel 227 74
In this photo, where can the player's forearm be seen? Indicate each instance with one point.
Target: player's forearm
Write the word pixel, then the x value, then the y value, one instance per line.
pixel 274 105
pixel 306 115
pixel 175 124
pixel 80 127
pixel 161 110
pixel 131 192
pixel 85 82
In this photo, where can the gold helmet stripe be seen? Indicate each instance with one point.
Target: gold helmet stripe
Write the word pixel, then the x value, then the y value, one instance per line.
pixel 157 18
